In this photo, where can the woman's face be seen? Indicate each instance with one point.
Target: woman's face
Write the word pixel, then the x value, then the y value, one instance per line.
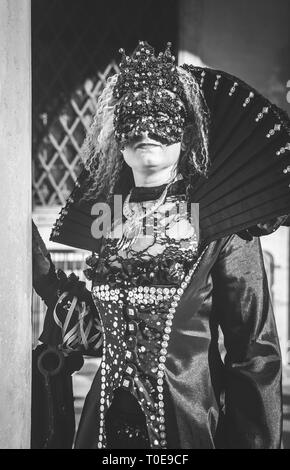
pixel 145 154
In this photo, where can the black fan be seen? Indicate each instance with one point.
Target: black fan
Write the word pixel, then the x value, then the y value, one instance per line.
pixel 248 182
pixel 249 179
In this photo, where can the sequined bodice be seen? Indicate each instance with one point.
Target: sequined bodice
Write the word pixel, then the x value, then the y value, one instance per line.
pixel 136 294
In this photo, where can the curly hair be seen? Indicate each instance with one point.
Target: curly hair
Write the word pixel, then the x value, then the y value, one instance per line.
pixel 101 153
pixel 194 157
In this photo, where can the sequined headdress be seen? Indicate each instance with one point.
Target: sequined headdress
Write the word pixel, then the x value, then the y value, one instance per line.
pixel 152 96
pixel 145 71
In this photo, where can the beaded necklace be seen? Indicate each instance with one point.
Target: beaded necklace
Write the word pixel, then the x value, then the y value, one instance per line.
pixel 137 214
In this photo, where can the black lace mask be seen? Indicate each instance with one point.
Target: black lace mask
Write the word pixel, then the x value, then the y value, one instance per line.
pixel 157 112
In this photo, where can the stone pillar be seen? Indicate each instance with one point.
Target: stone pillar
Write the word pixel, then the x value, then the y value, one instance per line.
pixel 15 216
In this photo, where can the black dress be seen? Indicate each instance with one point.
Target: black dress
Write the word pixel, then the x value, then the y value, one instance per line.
pixel 162 382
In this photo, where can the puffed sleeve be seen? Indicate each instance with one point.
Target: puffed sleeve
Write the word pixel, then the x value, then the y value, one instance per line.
pixel 72 322
pixel 241 302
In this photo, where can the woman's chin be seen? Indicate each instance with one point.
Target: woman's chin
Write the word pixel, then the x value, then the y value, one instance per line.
pixel 150 159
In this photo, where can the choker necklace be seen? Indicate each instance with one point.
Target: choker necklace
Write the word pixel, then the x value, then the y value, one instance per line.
pixel 133 225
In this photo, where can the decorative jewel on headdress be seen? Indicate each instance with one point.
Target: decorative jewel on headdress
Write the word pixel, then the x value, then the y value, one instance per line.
pixel 143 70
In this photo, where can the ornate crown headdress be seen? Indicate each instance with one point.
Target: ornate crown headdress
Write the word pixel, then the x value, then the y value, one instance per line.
pixel 143 70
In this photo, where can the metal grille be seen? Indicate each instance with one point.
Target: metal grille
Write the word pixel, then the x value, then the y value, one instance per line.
pixel 56 165
pixel 71 40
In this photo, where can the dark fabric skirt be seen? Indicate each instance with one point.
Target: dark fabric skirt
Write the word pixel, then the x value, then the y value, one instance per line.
pixel 125 423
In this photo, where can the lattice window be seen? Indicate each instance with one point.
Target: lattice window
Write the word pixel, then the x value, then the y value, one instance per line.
pixel 71 39
pixel 56 163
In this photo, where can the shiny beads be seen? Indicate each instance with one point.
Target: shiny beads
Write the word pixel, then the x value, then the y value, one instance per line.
pixel 248 99
pixel 216 83
pixel 129 355
pixel 282 150
pixel 132 327
pixel 104 292
pixel 101 437
pixel 64 211
pixel 233 89
pixel 286 170
pixel 126 383
pixel 130 312
pixel 55 232
pixel 127 431
pixel 162 359
pixel 152 295
pixel 275 129
pixel 260 116
pixel 202 78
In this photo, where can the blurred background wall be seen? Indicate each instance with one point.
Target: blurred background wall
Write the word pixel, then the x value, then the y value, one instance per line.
pixel 249 38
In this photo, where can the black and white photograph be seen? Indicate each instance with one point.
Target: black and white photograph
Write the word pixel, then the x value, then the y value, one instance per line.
pixel 145 227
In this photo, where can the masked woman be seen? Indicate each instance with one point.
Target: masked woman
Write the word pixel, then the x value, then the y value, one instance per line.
pixel 165 282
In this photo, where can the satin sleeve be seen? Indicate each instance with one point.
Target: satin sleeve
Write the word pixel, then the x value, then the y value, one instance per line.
pixel 72 321
pixel 253 391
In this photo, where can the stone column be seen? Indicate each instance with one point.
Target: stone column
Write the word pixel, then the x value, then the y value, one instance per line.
pixel 15 216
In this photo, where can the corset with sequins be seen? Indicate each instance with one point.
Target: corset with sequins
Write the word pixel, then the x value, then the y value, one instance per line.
pixel 136 298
